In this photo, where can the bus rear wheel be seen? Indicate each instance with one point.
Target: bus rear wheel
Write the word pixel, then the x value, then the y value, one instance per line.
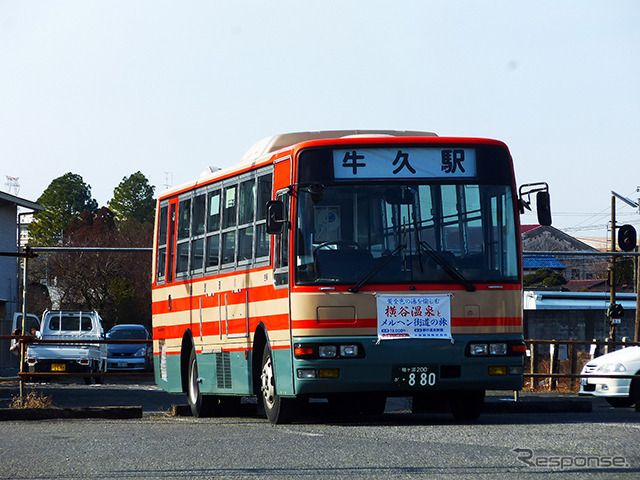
pixel 277 408
pixel 201 405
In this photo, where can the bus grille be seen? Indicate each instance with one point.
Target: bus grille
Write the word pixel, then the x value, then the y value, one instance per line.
pixel 223 370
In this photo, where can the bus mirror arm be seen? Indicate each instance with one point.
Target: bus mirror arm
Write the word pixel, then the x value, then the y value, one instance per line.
pixel 275 217
pixel 543 200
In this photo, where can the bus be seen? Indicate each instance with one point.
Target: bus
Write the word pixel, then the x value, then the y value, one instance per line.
pixel 350 266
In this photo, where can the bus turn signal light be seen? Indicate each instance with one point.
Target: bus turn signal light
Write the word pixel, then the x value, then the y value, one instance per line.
pixel 497 370
pixel 328 373
pixel 301 351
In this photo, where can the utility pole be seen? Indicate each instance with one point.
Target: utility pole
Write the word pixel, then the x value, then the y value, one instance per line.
pixel 636 330
pixel 612 271
pixel 628 242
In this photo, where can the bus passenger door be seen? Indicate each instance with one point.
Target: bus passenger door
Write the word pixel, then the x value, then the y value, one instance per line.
pixel 172 241
pixel 280 340
pixel 281 247
pixel 282 180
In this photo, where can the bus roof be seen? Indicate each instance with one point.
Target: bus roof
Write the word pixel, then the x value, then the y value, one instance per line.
pixel 278 142
pixel 274 143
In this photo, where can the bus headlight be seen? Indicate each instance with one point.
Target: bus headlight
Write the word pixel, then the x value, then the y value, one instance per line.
pixel 327 351
pixel 348 350
pixel 478 349
pixel 498 349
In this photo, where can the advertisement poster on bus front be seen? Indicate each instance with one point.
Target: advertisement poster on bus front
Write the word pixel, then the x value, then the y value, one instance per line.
pixel 414 316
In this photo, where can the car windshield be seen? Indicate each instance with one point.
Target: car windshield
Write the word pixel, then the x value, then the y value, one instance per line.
pixel 127 334
pixel 386 233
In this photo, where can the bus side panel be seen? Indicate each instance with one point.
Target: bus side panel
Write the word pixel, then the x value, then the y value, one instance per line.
pixel 225 373
pixel 282 362
pixel 167 370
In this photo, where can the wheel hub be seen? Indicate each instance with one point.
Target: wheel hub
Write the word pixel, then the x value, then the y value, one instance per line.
pixel 268 384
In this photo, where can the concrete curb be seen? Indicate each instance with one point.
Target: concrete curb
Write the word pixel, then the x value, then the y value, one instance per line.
pixel 117 413
pixel 539 406
pixel 122 413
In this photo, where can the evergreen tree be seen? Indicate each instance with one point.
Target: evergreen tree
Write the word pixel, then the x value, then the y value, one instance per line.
pixel 64 200
pixel 133 199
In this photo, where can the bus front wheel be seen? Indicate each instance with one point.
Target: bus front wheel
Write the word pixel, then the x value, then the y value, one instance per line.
pixel 277 408
pixel 201 405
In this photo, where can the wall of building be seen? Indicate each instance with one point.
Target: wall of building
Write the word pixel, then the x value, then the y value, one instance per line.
pixel 8 279
pixel 574 325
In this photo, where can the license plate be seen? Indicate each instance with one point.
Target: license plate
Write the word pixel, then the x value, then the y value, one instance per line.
pixel 415 376
pixel 122 364
pixel 58 367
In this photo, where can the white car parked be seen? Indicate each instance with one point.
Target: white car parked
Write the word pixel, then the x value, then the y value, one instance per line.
pixel 619 392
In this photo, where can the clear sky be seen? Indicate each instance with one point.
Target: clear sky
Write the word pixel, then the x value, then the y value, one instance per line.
pixel 106 88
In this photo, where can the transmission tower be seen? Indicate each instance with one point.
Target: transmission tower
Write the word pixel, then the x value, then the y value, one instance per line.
pixel 12 185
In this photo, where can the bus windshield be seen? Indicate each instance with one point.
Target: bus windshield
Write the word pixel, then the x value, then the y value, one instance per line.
pixel 416 232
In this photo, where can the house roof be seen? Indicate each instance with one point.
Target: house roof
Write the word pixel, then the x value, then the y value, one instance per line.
pixel 527 228
pixel 564 242
pixel 7 199
pixel 547 300
pixel 534 262
pixel 595 285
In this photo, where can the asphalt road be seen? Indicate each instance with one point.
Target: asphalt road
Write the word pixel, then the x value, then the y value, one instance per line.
pixel 602 443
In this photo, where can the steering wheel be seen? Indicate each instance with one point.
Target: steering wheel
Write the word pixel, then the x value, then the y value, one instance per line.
pixel 341 244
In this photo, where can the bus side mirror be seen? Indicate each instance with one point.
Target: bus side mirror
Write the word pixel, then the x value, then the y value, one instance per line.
pixel 543 200
pixel 543 207
pixel 275 217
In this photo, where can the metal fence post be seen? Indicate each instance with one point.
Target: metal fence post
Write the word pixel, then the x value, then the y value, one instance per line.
pixel 553 351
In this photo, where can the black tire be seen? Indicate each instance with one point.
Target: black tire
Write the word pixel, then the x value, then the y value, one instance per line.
pixel 619 402
pixel 466 405
pixel 100 379
pixel 201 405
pixel 277 409
pixel 88 380
pixel 634 392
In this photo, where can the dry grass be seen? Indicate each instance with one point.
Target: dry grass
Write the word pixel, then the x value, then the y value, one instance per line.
pixel 31 400
pixel 562 366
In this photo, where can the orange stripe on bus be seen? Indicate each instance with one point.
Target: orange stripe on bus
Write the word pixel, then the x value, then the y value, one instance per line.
pixel 486 321
pixel 212 327
pixel 256 294
pixel 372 322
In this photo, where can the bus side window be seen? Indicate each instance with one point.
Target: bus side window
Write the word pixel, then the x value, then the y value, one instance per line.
pixel 182 248
pixel 172 239
pixel 246 207
pixel 212 255
pixel 197 232
pixel 263 196
pixel 229 218
pixel 161 262
pixel 281 254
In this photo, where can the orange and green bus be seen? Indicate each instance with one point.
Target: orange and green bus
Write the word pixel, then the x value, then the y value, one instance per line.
pixel 343 265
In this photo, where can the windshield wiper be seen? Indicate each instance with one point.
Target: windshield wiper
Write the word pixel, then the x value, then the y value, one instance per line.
pixel 448 267
pixel 376 269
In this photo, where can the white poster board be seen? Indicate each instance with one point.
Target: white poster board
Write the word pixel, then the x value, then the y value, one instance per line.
pixel 414 316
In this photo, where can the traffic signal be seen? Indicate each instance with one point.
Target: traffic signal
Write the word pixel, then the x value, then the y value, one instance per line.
pixel 615 310
pixel 627 238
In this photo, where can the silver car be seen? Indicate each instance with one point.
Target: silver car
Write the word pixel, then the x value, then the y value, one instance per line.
pixel 130 356
pixel 619 392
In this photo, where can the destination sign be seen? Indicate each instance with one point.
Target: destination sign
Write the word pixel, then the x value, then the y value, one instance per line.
pixel 414 162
